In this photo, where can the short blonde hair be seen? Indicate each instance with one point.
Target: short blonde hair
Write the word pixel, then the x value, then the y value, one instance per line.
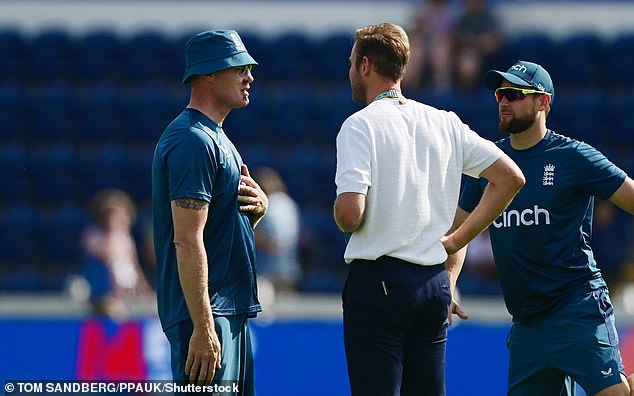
pixel 387 46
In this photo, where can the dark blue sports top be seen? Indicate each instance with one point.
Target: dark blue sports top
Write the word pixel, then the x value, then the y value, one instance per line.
pixel 195 159
pixel 541 243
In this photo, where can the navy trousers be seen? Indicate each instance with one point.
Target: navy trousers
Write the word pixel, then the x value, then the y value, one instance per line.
pixel 395 327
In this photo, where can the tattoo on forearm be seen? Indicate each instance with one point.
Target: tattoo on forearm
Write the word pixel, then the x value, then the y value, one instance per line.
pixel 188 203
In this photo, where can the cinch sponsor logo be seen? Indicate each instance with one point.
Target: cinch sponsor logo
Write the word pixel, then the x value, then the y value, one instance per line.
pixel 520 68
pixel 527 217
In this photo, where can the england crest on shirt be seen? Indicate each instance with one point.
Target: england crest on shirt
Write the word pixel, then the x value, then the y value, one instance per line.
pixel 549 175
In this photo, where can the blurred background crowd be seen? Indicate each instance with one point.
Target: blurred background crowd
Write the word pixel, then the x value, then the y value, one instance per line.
pixel 80 114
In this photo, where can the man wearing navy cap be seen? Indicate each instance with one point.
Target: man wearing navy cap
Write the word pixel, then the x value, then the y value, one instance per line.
pixel 563 321
pixel 205 206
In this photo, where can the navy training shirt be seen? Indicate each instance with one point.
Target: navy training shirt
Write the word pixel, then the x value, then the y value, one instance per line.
pixel 195 159
pixel 541 242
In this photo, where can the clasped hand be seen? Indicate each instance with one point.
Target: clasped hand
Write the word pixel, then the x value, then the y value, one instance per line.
pixel 251 197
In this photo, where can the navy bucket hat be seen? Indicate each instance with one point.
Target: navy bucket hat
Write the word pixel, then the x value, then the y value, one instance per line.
pixel 526 74
pixel 215 50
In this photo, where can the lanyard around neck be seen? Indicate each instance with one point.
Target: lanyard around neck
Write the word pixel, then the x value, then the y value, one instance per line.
pixel 390 93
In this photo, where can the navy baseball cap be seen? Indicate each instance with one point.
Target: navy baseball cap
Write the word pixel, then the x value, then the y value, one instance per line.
pixel 522 73
pixel 214 50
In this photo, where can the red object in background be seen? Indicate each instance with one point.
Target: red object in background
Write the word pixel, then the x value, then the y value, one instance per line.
pixel 627 349
pixel 110 351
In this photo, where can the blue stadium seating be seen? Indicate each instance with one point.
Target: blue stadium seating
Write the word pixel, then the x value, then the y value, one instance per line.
pixel 332 108
pixel 83 112
pixel 102 96
pixel 617 72
pixel 97 56
pixel 14 155
pixel 53 173
pixel 19 245
pixel 49 55
pixel 535 47
pixel 12 52
pixel 12 126
pixel 62 230
pixel 322 253
pixel 243 125
pixel 49 126
pixel 14 100
pixel 620 119
pixel 14 105
pixel 138 180
pixel 104 166
pixel 579 60
pixel 580 115
pixel 52 113
pixel 331 60
pixel 146 56
pixel 97 126
pixel 290 60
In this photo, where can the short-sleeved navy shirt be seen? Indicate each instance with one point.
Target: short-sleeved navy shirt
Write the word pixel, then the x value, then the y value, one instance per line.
pixel 541 242
pixel 195 159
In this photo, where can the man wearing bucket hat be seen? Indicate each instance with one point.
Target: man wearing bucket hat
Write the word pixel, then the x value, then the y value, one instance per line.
pixel 563 328
pixel 205 206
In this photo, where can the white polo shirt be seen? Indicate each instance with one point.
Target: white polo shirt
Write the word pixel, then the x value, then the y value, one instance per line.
pixel 408 160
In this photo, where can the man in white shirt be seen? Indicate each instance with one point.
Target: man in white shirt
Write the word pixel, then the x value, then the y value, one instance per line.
pixel 399 166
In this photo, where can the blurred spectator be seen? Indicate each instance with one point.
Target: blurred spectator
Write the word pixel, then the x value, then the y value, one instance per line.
pixel 477 41
pixel 145 244
pixel 277 235
pixel 430 36
pixel 111 265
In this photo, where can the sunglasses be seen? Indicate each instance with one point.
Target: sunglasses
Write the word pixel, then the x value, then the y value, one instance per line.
pixel 243 70
pixel 513 93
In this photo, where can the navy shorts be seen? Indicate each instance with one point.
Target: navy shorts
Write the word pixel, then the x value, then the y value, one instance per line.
pixel 237 354
pixel 395 327
pixel 578 343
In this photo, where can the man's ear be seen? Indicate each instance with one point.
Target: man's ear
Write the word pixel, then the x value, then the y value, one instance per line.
pixel 545 102
pixel 366 65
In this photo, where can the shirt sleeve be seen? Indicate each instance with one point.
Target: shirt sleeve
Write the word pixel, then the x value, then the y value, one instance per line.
pixel 191 167
pixel 470 193
pixel 479 153
pixel 598 176
pixel 354 159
